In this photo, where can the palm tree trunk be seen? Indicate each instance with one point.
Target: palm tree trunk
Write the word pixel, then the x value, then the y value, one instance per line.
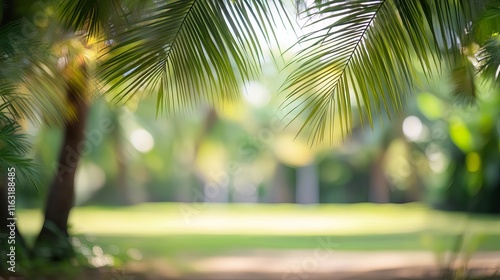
pixel 52 242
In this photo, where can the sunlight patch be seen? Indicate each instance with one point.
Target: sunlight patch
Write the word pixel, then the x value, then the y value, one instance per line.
pixel 142 140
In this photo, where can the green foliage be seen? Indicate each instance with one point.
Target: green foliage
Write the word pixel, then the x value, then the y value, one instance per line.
pixel 191 52
pixel 465 140
pixel 29 76
pixel 17 59
pixel 489 57
pixel 13 148
pixel 361 53
pixel 337 68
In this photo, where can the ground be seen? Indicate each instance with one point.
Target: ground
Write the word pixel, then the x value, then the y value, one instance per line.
pixel 312 264
pixel 286 242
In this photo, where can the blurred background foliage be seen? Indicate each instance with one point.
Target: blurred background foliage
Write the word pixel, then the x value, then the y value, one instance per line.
pixel 438 149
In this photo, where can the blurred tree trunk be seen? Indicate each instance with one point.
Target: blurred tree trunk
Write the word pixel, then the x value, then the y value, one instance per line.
pixel 279 190
pixel 379 189
pixel 211 119
pixel 121 158
pixel 307 190
pixel 53 242
pixel 121 176
pixel 379 186
pixel 415 186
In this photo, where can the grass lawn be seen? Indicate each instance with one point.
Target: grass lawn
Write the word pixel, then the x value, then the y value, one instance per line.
pixel 171 230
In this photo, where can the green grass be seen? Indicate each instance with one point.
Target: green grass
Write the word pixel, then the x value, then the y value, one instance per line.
pixel 174 245
pixel 171 230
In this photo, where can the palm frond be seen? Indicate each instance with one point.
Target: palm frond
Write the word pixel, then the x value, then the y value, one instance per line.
pixel 192 51
pixel 365 54
pixel 463 79
pixel 18 77
pixel 98 18
pixel 13 148
pixel 8 137
pixel 489 58
pixel 359 57
pixel 487 20
pixel 486 31
pixel 29 78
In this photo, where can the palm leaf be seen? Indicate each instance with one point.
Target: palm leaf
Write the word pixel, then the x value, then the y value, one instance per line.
pixel 24 65
pixel 486 21
pixel 29 78
pixel 359 56
pixel 98 18
pixel 365 54
pixel 13 148
pixel 192 52
pixel 486 30
pixel 489 58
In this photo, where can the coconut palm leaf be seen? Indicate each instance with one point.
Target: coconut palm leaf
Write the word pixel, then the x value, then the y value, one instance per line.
pixel 365 54
pixel 487 30
pixel 26 91
pixel 487 22
pixel 489 58
pixel 13 148
pixel 358 57
pixel 193 51
pixel 29 77
pixel 97 18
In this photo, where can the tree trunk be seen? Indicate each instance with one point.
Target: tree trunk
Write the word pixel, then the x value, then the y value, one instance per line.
pixel 201 183
pixel 414 191
pixel 307 186
pixel 121 160
pixel 379 189
pixel 279 190
pixel 121 177
pixel 52 242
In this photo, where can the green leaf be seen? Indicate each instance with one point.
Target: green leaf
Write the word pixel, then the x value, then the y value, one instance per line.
pixel 191 52
pixel 489 58
pixel 366 51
